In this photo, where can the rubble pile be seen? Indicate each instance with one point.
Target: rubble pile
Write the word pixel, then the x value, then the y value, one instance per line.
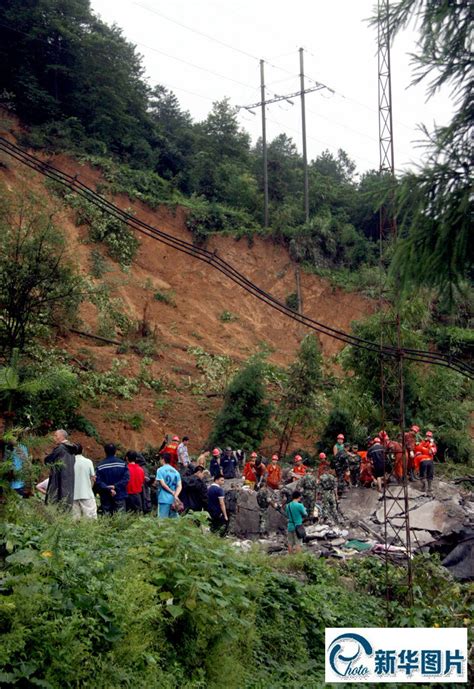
pixel 443 523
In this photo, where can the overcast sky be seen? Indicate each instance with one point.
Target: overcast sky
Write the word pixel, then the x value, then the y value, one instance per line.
pixel 205 50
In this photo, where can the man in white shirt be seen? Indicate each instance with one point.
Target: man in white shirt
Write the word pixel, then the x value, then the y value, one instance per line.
pixel 183 455
pixel 84 504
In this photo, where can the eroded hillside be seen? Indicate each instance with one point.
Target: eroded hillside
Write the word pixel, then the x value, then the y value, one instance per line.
pixel 202 309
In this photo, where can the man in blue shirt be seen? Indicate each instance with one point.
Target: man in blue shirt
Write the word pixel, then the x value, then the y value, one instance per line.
pixel 112 476
pixel 228 463
pixel 169 481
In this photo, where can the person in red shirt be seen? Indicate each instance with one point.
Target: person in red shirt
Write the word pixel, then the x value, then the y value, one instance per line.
pixel 133 500
pixel 299 469
pixel 274 474
pixel 249 472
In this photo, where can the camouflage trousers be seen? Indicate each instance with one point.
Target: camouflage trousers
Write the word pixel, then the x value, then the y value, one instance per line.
pixel 263 520
pixel 329 513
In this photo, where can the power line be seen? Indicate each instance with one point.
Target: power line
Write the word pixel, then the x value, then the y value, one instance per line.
pixel 212 258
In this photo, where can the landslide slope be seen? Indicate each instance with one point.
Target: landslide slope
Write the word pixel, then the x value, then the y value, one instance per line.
pixel 200 296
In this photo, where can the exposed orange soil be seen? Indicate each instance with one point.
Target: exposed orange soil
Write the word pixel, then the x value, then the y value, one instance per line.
pixel 201 294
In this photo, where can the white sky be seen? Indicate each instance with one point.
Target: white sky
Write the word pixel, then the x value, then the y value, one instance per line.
pixel 340 51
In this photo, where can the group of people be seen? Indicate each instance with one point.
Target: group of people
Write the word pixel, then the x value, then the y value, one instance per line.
pixel 181 483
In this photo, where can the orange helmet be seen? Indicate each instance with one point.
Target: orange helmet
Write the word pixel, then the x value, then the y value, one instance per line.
pixel 275 457
pixel 215 452
pixel 175 439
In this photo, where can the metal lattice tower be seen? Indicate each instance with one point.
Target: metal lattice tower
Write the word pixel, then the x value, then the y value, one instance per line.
pixel 395 496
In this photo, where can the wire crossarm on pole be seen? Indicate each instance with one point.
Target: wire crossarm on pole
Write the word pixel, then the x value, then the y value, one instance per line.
pixel 278 99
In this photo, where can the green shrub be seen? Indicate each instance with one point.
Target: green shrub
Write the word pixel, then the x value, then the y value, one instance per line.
pixel 170 605
pixel 292 301
pixel 228 317
pixel 135 421
pixel 166 297
pixel 120 240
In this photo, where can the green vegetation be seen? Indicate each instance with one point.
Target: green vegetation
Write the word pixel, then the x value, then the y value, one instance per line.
pixel 434 204
pixel 301 399
pixel 147 592
pixel 120 240
pixel 228 317
pixel 166 297
pixel 435 397
pixel 39 288
pixel 216 371
pixel 245 415
pixel 292 301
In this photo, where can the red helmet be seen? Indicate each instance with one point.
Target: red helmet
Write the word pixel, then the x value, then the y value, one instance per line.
pixel 215 452
pixel 298 458
pixel 383 434
pixel 340 436
pixel 429 434
pixel 415 428
pixel 274 456
pixel 376 440
pixel 254 455
pixel 175 438
pixel 322 455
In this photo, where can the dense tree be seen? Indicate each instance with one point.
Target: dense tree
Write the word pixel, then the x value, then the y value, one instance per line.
pixel 244 418
pixel 435 203
pixel 61 63
pixel 38 286
pixel 301 403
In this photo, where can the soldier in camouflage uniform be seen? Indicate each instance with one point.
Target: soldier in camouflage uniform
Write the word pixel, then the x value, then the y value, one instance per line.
pixel 265 499
pixel 308 486
pixel 328 492
pixel 230 500
pixel 341 465
pixel 354 465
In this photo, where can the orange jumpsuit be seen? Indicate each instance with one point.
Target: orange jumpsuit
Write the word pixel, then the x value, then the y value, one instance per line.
pixel 423 452
pixel 274 475
pixel 366 475
pixel 172 450
pixel 299 470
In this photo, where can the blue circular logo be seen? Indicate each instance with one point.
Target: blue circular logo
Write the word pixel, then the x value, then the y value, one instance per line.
pixel 346 654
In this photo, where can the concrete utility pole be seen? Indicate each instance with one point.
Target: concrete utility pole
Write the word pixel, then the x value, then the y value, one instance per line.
pixel 278 99
pixel 303 127
pixel 264 144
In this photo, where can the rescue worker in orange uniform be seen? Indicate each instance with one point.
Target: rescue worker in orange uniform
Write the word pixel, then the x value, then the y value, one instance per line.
pixel 171 448
pixel 299 468
pixel 274 474
pixel 249 472
pixel 424 463
pixel 411 438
